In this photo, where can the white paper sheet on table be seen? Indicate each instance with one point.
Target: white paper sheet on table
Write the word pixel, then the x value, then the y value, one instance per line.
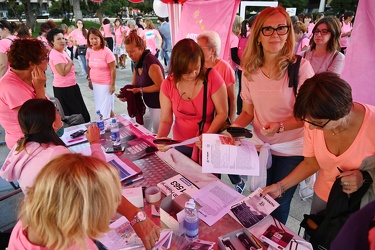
pixel 221 155
pixel 186 142
pixel 216 199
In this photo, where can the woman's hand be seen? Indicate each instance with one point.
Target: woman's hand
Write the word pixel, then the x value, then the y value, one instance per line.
pixel 112 89
pixel 148 232
pixel 134 90
pixel 199 142
pixel 270 129
pixel 351 181
pixel 162 147
pixel 93 134
pixel 39 77
pixel 273 190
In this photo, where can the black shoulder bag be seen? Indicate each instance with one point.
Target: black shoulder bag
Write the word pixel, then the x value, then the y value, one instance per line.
pixel 203 121
pixel 293 71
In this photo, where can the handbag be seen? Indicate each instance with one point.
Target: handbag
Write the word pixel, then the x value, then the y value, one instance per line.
pixel 81 50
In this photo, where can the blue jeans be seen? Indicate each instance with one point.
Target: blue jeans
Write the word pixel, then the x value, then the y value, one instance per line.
pixel 84 62
pixel 281 167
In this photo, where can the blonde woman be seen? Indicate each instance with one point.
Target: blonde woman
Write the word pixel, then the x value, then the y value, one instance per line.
pixel 151 35
pixel 232 58
pixel 267 99
pixel 91 192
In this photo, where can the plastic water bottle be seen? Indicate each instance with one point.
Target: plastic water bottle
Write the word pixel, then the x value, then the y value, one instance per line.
pixel 115 133
pixel 100 122
pixel 191 222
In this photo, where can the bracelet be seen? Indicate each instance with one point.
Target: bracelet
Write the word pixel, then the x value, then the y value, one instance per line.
pixel 141 90
pixel 282 189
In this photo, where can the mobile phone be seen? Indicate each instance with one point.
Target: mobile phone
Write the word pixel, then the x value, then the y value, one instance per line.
pixel 115 149
pixel 77 133
pixel 165 141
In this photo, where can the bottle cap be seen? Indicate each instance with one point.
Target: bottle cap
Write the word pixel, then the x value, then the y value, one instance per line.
pixel 190 204
pixel 98 112
pixel 113 120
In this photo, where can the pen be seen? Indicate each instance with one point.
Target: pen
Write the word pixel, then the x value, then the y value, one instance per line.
pixel 134 180
pixel 74 140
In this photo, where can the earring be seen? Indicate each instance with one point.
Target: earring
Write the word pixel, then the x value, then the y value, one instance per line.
pixel 258 43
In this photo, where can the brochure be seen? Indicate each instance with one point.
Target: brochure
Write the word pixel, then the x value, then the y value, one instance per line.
pixel 276 237
pixel 177 185
pixel 225 155
pixel 253 208
pixel 122 236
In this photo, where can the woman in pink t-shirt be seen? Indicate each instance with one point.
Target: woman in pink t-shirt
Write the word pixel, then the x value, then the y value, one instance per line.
pixel 108 33
pixel 324 54
pixel 119 48
pixel 65 87
pixel 346 30
pixel 73 199
pixel 151 35
pixel 6 35
pixel 268 100
pixel 79 38
pixel 181 96
pixel 101 72
pixel 302 41
pixel 338 135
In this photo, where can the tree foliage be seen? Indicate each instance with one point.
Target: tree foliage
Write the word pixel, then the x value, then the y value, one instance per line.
pixel 299 4
pixel 340 6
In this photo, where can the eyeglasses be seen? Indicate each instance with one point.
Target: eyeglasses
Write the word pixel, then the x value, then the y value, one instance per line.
pixel 281 30
pixel 322 32
pixel 317 125
pixel 183 109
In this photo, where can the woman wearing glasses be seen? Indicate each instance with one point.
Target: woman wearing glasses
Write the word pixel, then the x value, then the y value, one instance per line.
pixel 65 87
pixel 79 38
pixel 181 96
pixel 267 99
pixel 25 80
pixel 324 49
pixel 338 136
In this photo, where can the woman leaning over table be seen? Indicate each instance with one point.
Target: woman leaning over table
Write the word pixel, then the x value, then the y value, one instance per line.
pixel 181 96
pixel 65 87
pixel 101 72
pixel 324 54
pixel 338 135
pixel 147 76
pixel 79 38
pixel 25 80
pixel 267 99
pixel 7 37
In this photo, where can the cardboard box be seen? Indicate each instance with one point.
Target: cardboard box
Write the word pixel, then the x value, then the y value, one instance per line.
pixel 172 212
pixel 134 195
pixel 235 241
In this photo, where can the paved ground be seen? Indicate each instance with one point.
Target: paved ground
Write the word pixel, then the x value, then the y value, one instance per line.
pixel 123 77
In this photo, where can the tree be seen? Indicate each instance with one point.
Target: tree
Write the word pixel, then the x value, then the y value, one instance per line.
pixel 299 4
pixel 340 6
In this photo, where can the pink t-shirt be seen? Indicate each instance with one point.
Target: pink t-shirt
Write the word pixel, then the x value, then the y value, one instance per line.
pixel 345 28
pixel 310 28
pixel 233 44
pixel 98 62
pixel 19 241
pixel 107 30
pixel 333 61
pixel 119 34
pixel 301 44
pixel 5 45
pixel 226 72
pixel 56 57
pixel 45 42
pixel 151 35
pixel 13 93
pixel 189 113
pixel 273 101
pixel 362 147
pixel 78 36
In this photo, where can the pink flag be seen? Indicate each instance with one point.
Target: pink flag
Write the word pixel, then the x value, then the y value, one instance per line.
pixel 359 65
pixel 202 15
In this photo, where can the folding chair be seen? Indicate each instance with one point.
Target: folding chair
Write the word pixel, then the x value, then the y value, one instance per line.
pixel 70 120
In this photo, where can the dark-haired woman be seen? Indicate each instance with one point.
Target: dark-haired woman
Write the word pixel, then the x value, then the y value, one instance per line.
pixel 40 123
pixel 44 29
pixel 25 80
pixel 79 38
pixel 338 136
pixel 65 87
pixel 101 72
pixel 7 37
pixel 108 33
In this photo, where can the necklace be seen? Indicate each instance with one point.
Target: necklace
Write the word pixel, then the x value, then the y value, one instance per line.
pixel 265 70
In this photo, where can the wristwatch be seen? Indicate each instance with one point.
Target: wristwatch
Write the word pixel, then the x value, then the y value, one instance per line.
pixel 281 128
pixel 139 217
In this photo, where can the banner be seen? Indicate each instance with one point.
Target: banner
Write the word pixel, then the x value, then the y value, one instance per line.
pixel 204 15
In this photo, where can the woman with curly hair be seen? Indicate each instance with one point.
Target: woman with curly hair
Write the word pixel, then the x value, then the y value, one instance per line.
pixel 25 80
pixel 267 99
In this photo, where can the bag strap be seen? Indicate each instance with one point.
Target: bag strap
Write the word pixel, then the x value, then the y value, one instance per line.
pixel 204 111
pixel 293 71
pixel 333 58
